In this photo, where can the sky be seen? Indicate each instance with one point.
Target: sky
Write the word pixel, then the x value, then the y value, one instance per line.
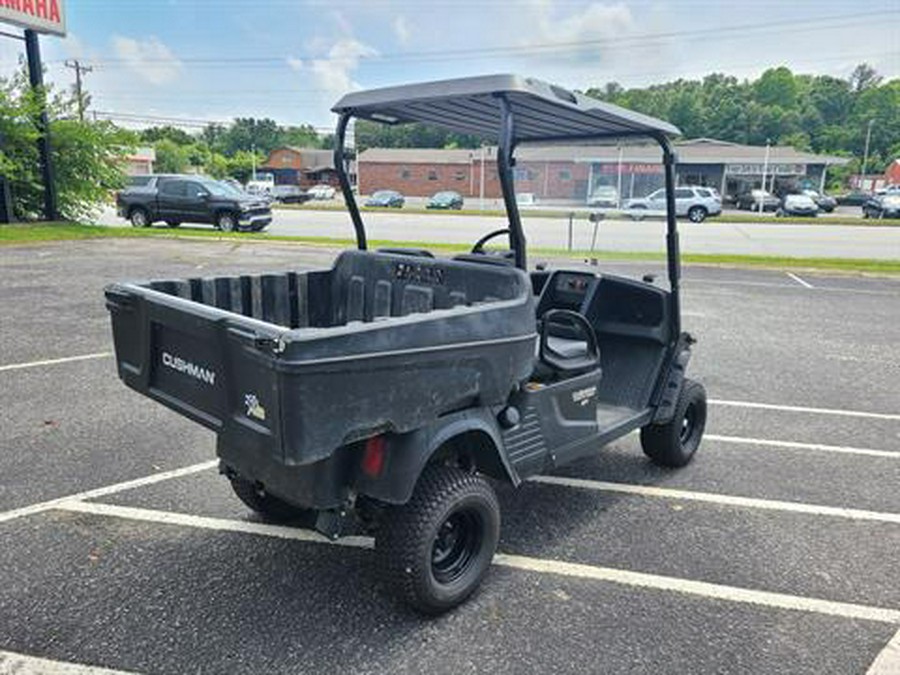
pixel 290 60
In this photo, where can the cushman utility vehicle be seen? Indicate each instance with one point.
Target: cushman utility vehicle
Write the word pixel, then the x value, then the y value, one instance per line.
pixel 395 386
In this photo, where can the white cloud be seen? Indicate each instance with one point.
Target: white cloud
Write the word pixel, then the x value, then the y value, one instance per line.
pixel 401 29
pixel 596 22
pixel 149 58
pixel 333 75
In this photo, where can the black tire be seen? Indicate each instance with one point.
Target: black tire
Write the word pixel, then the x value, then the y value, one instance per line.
pixel 139 217
pixel 696 214
pixel 673 444
pixel 226 221
pixel 435 549
pixel 173 223
pixel 269 507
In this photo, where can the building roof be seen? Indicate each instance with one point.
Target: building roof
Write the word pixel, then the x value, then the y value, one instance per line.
pixel 697 151
pixel 471 105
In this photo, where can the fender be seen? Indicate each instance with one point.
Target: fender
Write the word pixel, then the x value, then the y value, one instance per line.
pixel 674 380
pixel 408 454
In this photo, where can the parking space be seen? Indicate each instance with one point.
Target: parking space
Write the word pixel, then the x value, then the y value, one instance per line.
pixel 775 551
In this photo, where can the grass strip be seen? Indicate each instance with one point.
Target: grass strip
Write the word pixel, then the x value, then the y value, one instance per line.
pixel 582 214
pixel 22 233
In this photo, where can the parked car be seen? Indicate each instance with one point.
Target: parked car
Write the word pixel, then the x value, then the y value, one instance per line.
pixel 290 194
pixel 696 203
pixel 604 196
pixel 882 206
pixel 177 199
pixel 447 199
pixel 823 201
pixel 853 198
pixel 322 192
pixel 386 198
pixel 752 199
pixel 798 205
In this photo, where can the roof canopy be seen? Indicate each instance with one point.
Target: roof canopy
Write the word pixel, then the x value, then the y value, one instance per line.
pixel 542 112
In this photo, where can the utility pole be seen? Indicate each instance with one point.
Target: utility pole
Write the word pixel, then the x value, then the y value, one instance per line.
pixel 79 69
pixel 866 153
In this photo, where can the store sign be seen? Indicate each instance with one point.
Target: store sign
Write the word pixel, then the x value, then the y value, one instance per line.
pixel 43 16
pixel 631 167
pixel 771 169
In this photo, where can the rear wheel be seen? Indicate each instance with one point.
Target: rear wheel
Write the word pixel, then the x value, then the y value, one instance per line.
pixel 673 444
pixel 696 214
pixel 436 548
pixel 226 222
pixel 139 218
pixel 269 507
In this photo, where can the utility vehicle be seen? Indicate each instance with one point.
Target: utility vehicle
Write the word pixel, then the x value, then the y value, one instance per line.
pixel 392 389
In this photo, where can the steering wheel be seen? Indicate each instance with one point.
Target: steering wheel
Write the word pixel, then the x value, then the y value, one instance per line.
pixel 478 248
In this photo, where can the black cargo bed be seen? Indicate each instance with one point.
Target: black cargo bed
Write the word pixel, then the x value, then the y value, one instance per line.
pixel 297 364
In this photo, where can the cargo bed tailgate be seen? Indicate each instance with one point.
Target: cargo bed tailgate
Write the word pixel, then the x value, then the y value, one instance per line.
pixel 213 366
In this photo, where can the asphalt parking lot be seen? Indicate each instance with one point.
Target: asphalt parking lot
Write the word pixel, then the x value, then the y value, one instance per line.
pixel 776 551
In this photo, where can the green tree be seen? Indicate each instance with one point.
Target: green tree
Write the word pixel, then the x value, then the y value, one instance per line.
pixel 87 156
pixel 174 134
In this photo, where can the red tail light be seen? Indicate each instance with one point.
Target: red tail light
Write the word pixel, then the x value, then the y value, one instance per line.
pixel 373 456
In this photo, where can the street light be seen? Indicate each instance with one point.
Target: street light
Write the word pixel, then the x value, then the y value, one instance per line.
pixel 866 152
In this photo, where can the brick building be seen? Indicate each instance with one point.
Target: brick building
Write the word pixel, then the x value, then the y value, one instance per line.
pixel 575 173
pixel 301 166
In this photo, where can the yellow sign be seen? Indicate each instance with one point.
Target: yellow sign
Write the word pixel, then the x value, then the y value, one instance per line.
pixel 43 16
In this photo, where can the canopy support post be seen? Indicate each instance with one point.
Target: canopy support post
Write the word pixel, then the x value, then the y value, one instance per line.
pixel 505 149
pixel 340 166
pixel 672 244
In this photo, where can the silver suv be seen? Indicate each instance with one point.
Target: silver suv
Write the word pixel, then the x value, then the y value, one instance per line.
pixel 696 203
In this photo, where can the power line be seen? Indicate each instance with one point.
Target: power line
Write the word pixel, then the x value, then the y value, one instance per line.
pixel 811 24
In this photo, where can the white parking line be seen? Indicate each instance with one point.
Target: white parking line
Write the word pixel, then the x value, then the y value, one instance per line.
pixel 799 280
pixel 542 566
pixel 12 663
pixel 888 661
pixel 108 490
pixel 53 362
pixel 803 409
pixel 765 442
pixel 714 498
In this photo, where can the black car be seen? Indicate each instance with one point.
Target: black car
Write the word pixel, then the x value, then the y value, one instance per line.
pixel 825 202
pixel 447 199
pixel 751 200
pixel 882 206
pixel 854 198
pixel 176 199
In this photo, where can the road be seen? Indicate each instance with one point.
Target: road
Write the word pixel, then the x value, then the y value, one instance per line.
pixel 712 236
pixel 774 551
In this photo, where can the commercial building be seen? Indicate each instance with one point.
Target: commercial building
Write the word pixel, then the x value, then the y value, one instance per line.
pixel 575 173
pixel 301 166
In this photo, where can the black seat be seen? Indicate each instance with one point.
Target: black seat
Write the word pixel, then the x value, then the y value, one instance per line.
pixel 567 346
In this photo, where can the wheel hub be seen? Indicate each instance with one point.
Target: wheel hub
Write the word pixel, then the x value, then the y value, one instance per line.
pixel 457 542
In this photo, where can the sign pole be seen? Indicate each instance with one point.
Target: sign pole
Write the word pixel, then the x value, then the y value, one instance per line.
pixel 36 77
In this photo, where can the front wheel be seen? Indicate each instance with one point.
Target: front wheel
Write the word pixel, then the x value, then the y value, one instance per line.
pixel 226 222
pixel 674 443
pixel 696 214
pixel 435 549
